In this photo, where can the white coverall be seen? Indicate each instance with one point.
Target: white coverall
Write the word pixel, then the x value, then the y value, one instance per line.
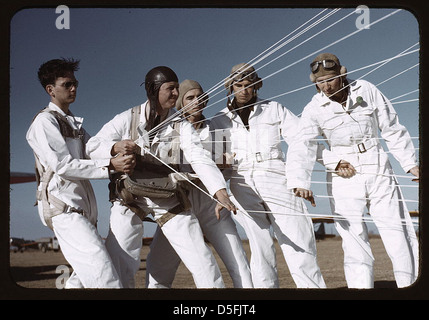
pixel 162 261
pixel 183 231
pixel 258 184
pixel 77 235
pixel 352 135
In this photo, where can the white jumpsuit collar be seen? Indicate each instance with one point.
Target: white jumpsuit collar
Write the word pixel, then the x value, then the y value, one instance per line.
pixel 76 121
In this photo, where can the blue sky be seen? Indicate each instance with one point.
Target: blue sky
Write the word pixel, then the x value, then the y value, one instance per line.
pixel 118 46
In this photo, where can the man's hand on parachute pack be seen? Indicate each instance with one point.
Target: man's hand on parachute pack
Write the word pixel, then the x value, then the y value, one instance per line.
pixel 124 159
pixel 223 197
pixel 124 147
pixel 123 163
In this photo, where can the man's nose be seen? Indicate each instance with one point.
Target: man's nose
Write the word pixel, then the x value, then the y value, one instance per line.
pixel 326 86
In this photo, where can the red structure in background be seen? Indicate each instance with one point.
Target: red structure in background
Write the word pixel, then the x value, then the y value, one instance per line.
pixel 21 177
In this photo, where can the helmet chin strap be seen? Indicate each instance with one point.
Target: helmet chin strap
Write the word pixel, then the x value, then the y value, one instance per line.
pixel 152 113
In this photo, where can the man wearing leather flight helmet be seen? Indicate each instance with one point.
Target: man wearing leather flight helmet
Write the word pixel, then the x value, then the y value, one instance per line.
pixel 160 131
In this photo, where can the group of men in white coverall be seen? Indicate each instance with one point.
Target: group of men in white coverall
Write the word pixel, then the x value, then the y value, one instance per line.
pixel 174 167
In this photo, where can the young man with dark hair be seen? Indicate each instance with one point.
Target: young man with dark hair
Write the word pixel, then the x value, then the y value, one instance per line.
pixel 65 198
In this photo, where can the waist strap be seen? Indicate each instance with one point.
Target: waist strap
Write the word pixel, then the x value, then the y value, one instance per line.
pixel 361 147
pixel 51 205
pixel 263 156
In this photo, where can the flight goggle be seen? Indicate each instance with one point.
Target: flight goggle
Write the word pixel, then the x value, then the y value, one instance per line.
pixel 327 64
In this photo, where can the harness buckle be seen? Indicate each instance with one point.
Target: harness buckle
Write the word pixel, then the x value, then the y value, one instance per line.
pixel 258 157
pixel 361 147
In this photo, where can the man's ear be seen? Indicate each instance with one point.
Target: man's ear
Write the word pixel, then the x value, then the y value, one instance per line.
pixel 50 90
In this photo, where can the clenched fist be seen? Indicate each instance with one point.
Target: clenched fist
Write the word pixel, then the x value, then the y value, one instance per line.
pixel 124 147
pixel 123 163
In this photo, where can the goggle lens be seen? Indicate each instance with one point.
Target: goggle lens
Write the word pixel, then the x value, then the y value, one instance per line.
pixel 327 64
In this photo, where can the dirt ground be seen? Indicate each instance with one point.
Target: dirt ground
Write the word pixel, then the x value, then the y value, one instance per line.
pixel 34 269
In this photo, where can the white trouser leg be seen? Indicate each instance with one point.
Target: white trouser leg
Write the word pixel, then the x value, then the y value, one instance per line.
pixel 294 234
pixel 227 243
pixel 124 242
pixel 293 230
pixel 394 224
pixel 256 224
pixel 73 282
pixel 349 202
pixel 358 257
pixel 263 264
pixel 185 236
pixel 84 249
pixel 161 262
pixel 223 236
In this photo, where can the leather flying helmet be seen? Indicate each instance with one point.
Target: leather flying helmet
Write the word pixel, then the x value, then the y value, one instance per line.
pixel 153 82
pixel 326 64
pixel 241 72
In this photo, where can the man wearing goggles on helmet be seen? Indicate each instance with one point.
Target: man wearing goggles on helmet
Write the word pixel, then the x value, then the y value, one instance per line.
pixel 349 115
pixel 327 64
pixel 253 129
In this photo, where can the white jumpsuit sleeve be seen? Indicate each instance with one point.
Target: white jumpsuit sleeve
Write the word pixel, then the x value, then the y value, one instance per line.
pixel 44 136
pixel 302 153
pixel 289 124
pixel 396 136
pixel 290 132
pixel 100 145
pixel 326 157
pixel 200 159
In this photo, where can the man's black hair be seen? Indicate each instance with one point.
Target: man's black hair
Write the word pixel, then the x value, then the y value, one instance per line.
pixel 56 68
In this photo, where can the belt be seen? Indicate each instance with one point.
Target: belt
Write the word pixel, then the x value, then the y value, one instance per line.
pixel 361 147
pixel 264 156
